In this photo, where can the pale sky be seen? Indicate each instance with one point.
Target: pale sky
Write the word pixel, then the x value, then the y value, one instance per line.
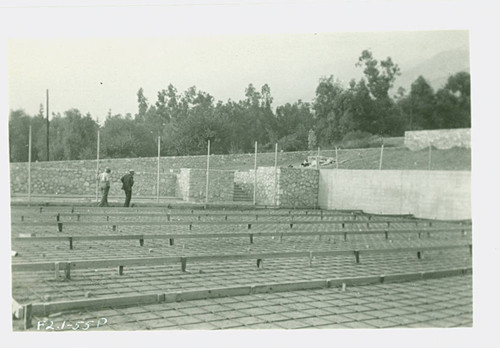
pixel 96 58
pixel 98 74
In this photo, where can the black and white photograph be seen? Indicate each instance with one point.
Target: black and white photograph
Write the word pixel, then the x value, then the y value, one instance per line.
pixel 245 168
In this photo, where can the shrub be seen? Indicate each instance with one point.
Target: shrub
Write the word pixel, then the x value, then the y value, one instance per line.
pixel 359 139
pixel 292 142
pixel 356 135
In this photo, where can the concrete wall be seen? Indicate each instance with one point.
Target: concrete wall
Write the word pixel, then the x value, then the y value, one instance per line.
pixel 442 195
pixel 439 138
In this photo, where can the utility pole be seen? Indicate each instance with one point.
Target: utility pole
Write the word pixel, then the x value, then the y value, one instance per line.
pixel 48 125
pixel 97 166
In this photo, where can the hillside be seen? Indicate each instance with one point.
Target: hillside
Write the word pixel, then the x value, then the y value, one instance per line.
pixel 393 158
pixel 435 70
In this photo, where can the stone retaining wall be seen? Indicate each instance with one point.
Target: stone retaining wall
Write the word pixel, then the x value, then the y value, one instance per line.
pixel 298 188
pixel 267 186
pixel 192 185
pixel 183 184
pixel 439 138
pixel 288 188
pixel 73 180
pixel 78 177
pixel 245 179
pixel 432 194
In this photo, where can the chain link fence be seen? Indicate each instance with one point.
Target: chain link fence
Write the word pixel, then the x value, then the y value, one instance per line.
pixel 251 178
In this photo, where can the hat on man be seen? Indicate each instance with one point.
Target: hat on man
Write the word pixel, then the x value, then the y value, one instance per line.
pixel 107 170
pixel 131 171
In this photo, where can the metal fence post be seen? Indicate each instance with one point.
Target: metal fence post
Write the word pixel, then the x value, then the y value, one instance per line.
pixel 29 166
pixel 336 157
pixel 158 173
pixel 208 169
pixel 275 174
pixel 317 159
pixel 381 156
pixel 255 177
pixel 430 155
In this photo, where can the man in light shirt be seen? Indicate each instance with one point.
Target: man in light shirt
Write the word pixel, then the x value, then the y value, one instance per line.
pixel 105 184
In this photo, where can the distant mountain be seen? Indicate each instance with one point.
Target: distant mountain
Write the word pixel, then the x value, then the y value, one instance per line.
pixel 435 70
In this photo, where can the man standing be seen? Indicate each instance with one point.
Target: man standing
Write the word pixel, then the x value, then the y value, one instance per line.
pixel 128 182
pixel 105 184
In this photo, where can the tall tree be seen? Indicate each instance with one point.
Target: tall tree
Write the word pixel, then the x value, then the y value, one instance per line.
pixel 167 105
pixel 453 102
pixel 195 124
pixel 19 123
pixel 364 116
pixel 380 79
pixel 143 105
pixel 422 104
pixel 73 136
pixel 258 118
pixel 328 110
pixel 311 140
pixel 294 123
pixel 232 115
pixel 381 76
pixel 123 137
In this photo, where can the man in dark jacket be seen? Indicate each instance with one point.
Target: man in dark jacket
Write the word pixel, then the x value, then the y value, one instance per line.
pixel 128 182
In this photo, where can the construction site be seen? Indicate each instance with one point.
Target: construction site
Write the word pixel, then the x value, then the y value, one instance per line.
pixel 273 247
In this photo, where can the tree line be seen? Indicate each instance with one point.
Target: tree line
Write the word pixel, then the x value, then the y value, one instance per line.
pixel 186 121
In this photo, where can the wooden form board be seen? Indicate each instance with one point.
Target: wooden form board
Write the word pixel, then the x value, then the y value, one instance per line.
pixel 212 214
pixel 152 261
pixel 315 213
pixel 44 309
pixel 141 237
pixel 203 208
pixel 249 223
pixel 349 217
pixel 249 209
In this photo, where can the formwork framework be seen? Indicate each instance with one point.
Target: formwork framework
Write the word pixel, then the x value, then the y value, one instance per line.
pixel 304 225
